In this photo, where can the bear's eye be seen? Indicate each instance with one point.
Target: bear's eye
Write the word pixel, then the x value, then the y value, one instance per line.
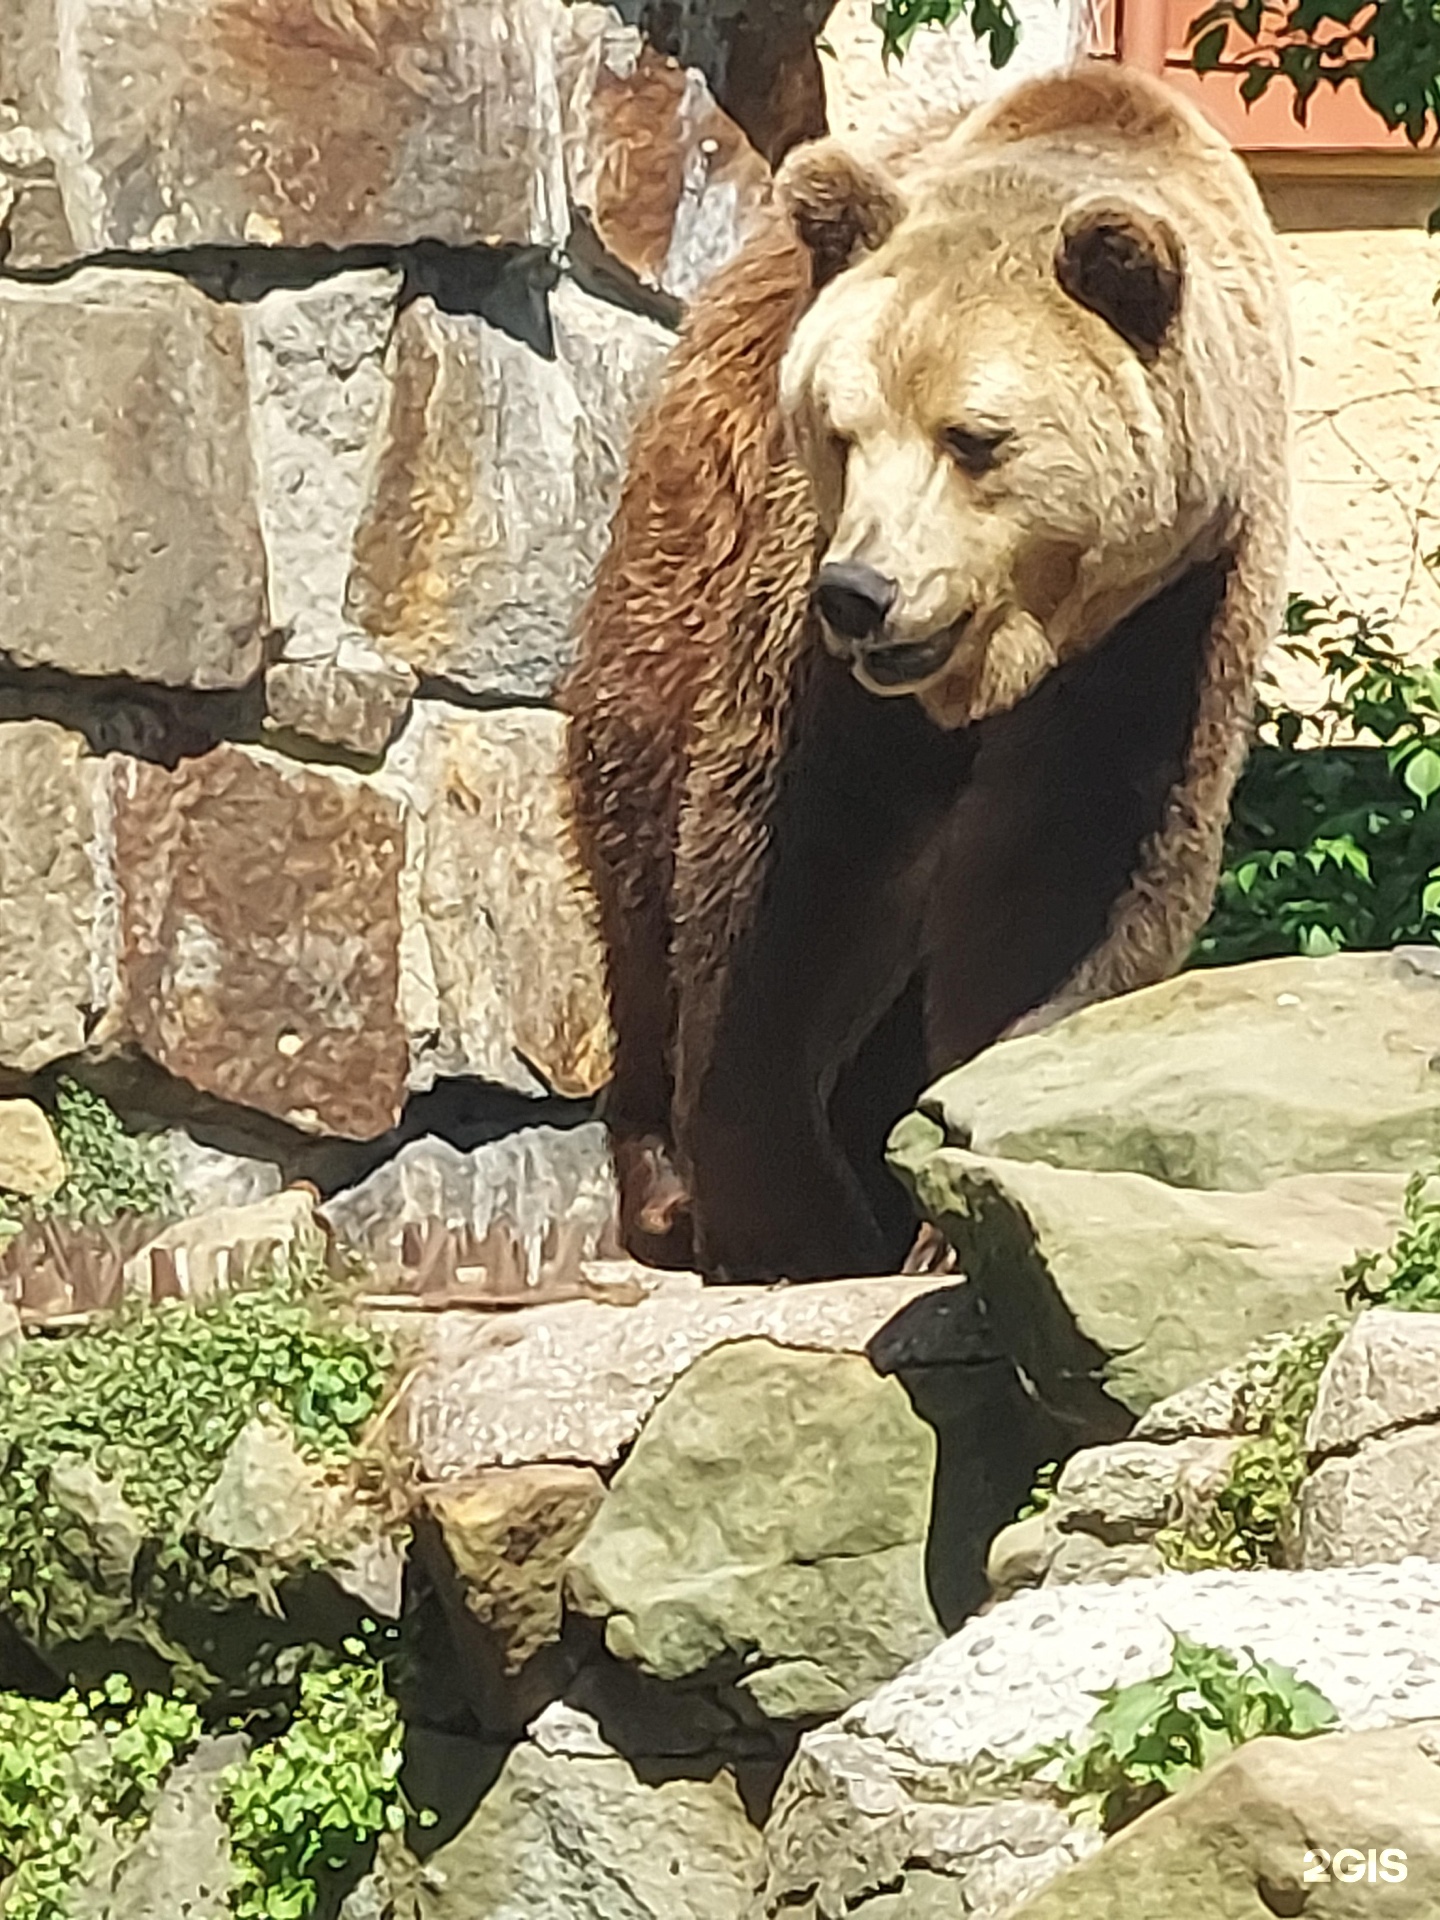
pixel 976 452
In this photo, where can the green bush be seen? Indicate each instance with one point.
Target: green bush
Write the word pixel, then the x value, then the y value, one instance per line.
pixel 991 21
pixel 1149 1738
pixel 110 1437
pixel 1333 842
pixel 1409 1271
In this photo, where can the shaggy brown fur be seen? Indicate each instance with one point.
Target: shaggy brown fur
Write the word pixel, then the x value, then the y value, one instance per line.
pixel 813 899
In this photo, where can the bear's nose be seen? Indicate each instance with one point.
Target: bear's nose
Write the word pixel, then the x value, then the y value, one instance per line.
pixel 853 599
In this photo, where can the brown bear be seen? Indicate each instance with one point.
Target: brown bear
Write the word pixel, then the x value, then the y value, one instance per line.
pixel 917 676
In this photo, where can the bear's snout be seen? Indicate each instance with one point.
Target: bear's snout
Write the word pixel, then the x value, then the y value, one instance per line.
pixel 853 600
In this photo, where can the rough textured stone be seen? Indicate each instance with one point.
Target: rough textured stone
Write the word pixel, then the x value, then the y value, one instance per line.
pixel 260 932
pixel 667 181
pixel 515 989
pixel 318 390
pixel 1381 1503
pixel 127 485
pixel 910 1784
pixel 1384 1374
pixel 773 1514
pixel 1069 1263
pixel 205 1178
pixel 196 122
pixel 529 1207
pixel 576 1381
pixel 179 1867
pixel 569 1833
pixel 1227 1077
pixel 492 499
pixel 354 698
pixel 31 1162
pixel 195 1258
pixel 53 941
pixel 509 1533
pixel 1235 1845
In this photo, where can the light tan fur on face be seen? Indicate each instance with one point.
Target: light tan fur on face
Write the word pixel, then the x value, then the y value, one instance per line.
pixel 1109 482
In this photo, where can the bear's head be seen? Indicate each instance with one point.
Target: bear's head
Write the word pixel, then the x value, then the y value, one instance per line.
pixel 982 398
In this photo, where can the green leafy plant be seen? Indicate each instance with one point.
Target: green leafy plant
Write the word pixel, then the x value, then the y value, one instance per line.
pixel 110 1437
pixel 1247 1521
pixel 1389 49
pixel 1149 1738
pixel 1409 1270
pixel 69 1767
pixel 992 21
pixel 300 1809
pixel 1333 841
pixel 110 1173
pixel 1042 1494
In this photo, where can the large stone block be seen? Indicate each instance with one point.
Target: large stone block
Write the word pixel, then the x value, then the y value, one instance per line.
pixel 516 967
pixel 289 123
pixel 497 479
pixel 260 935
pixel 53 946
pixel 1227 1077
pixel 1119 1282
pixel 127 483
pixel 772 1516
pixel 907 1797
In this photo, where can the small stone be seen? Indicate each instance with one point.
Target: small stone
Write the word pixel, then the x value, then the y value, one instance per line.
pixel 509 1533
pixel 31 1162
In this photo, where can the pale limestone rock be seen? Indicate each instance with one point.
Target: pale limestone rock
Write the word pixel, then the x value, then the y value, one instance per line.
pixel 221 1248
pixel 577 1380
pixel 55 945
pixel 127 483
pixel 509 1532
pixel 1381 1503
pixel 31 1162
pixel 491 501
pixel 242 122
pixel 1384 1374
pixel 569 1833
pixel 514 961
pixel 907 1788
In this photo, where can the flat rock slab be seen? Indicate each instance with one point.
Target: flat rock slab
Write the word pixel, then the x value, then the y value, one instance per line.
pixel 1225 1077
pixel 772 1516
pixel 1237 1843
pixel 127 482
pixel 578 1379
pixel 901 1791
pixel 1114 1287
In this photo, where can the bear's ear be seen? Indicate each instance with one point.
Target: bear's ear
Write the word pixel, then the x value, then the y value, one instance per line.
pixel 841 206
pixel 1126 266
